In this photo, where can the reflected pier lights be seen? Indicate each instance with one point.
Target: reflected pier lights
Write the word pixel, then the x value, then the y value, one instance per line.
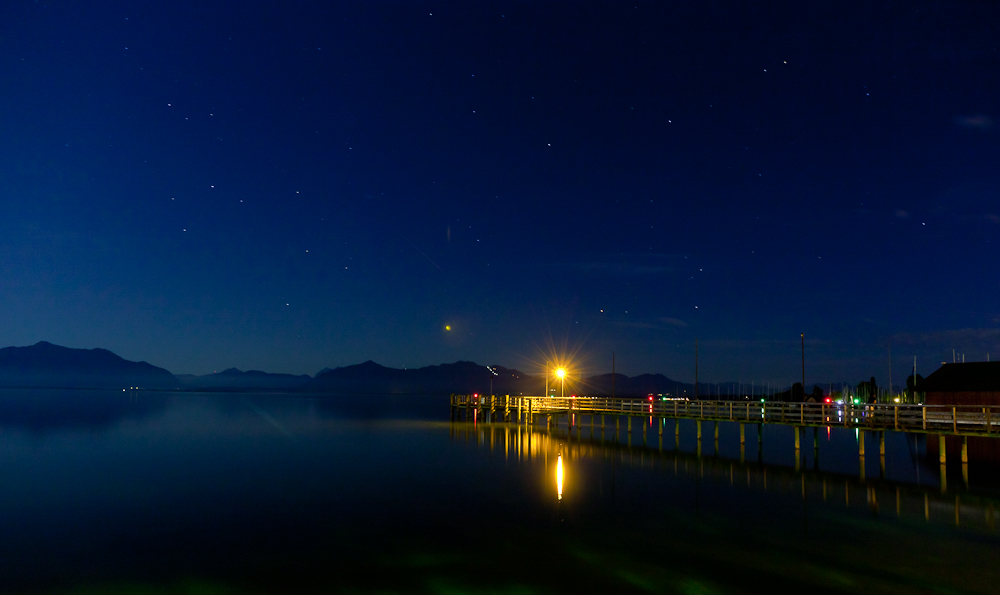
pixel 559 476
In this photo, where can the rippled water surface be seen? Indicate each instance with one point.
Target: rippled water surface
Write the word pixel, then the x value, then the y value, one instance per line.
pixel 233 493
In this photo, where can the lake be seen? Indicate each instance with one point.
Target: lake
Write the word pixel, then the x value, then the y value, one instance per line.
pixel 110 492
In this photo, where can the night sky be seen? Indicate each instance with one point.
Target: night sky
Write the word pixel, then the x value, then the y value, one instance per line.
pixel 292 185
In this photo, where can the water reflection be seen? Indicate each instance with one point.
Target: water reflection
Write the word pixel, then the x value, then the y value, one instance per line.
pixel 41 410
pixel 307 494
pixel 559 477
pixel 859 493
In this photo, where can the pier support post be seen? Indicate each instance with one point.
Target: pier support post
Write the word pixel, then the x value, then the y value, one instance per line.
pixel 716 438
pixel 965 461
pixel 881 454
pixel 743 442
pixel 698 424
pixel 816 449
pixel 798 450
pixel 644 431
pixel 677 433
pixel 942 457
pixel 629 417
pixel 861 454
pixel 760 443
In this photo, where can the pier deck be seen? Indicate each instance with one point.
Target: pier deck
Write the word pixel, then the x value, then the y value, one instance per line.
pixel 961 421
pixel 955 420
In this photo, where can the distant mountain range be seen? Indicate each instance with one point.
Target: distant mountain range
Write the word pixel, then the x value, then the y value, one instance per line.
pixel 459 377
pixel 48 365
pixel 234 379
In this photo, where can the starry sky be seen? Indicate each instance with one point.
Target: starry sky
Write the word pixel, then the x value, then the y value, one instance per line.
pixel 292 185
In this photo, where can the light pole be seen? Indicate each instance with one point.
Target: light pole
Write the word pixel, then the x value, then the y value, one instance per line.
pixel 561 373
pixel 493 373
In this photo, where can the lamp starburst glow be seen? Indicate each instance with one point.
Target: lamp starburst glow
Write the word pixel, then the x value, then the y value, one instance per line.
pixel 561 374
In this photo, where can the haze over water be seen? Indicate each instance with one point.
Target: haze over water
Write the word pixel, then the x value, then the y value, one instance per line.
pixel 165 493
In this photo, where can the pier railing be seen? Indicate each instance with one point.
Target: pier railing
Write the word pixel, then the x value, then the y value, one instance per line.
pixel 971 420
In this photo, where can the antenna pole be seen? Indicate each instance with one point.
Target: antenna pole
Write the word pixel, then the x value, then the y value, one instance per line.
pixel 803 336
pixel 890 370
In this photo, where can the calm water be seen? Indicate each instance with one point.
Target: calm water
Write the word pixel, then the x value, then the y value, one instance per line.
pixel 193 493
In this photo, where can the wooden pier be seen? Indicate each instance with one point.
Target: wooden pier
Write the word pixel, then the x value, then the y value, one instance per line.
pixel 952 420
pixel 962 421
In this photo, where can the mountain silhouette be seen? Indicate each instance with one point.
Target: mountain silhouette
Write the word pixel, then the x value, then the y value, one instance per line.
pixel 459 377
pixel 468 377
pixel 236 379
pixel 46 365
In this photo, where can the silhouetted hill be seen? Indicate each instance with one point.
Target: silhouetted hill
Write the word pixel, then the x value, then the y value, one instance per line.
pixel 459 377
pixel 635 386
pixel 46 365
pixel 235 379
pixel 469 377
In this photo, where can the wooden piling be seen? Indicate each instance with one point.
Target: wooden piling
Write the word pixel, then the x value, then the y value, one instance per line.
pixel 760 443
pixel 816 449
pixel 798 451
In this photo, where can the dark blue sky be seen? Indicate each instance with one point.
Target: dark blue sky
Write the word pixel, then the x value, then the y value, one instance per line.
pixel 287 186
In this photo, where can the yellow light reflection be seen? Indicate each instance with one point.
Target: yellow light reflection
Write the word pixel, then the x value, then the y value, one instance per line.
pixel 559 476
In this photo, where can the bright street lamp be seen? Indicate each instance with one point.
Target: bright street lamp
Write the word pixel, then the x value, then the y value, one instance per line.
pixel 561 373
